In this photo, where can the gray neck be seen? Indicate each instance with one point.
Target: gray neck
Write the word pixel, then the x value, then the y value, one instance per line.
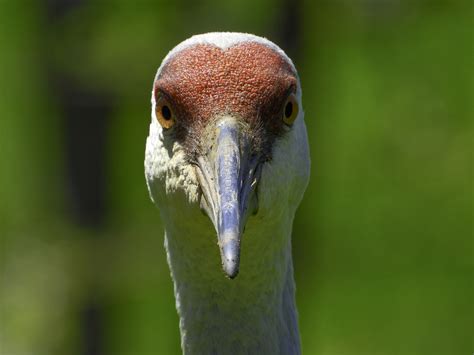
pixel 253 314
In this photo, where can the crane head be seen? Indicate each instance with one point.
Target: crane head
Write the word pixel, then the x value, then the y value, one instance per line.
pixel 224 108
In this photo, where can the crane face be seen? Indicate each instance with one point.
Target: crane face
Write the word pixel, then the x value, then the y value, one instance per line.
pixel 227 143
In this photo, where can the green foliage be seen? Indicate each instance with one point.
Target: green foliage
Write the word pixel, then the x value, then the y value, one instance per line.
pixel 383 241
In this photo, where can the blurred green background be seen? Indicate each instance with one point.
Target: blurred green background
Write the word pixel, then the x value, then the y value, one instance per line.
pixel 383 241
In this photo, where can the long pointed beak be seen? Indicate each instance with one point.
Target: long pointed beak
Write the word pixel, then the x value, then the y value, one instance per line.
pixel 228 175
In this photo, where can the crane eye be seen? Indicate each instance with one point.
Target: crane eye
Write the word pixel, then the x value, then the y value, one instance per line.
pixel 164 113
pixel 290 110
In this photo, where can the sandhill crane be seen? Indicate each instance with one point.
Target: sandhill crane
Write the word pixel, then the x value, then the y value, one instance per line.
pixel 227 154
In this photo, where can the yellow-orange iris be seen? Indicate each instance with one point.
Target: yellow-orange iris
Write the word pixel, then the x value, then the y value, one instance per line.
pixel 290 110
pixel 164 113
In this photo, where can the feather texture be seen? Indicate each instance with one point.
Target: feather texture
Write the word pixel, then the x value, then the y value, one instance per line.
pixel 254 313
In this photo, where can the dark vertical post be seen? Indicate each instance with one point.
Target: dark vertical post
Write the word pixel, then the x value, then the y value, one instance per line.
pixel 85 112
pixel 288 28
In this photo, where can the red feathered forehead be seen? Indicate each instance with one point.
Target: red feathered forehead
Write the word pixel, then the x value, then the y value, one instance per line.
pixel 248 79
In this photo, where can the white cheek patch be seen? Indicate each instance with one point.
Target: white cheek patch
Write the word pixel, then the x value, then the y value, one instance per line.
pixel 286 176
pixel 168 173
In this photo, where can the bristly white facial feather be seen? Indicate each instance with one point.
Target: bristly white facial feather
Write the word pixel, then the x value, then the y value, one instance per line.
pixel 254 313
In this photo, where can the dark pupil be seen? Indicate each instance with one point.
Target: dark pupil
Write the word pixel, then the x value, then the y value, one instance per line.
pixel 166 112
pixel 288 109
